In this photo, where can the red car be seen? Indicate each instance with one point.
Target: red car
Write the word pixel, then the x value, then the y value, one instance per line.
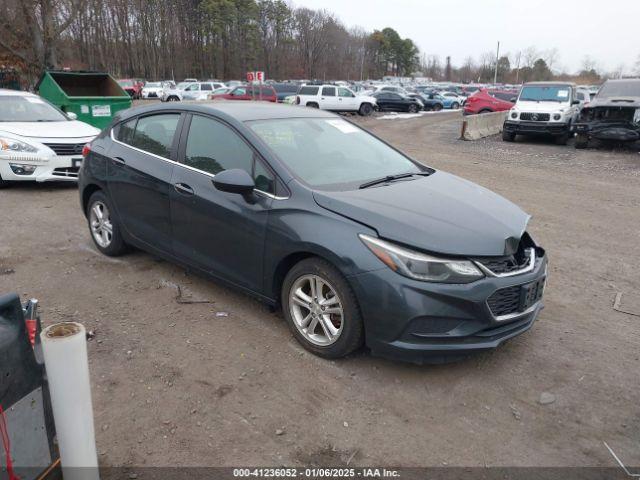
pixel 132 87
pixel 248 92
pixel 485 101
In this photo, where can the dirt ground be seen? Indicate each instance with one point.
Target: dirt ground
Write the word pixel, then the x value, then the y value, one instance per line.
pixel 211 384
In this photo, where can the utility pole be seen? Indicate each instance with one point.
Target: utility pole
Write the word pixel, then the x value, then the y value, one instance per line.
pixel 495 73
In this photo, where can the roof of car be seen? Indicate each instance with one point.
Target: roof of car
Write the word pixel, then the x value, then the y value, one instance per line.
pixel 9 92
pixel 241 111
pixel 569 84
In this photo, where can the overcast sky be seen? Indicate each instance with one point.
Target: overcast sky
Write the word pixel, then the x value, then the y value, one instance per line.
pixel 606 30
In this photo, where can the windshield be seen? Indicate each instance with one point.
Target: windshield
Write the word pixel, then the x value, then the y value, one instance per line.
pixel 153 84
pixel 330 153
pixel 182 85
pixel 624 88
pixel 125 83
pixel 14 108
pixel 545 93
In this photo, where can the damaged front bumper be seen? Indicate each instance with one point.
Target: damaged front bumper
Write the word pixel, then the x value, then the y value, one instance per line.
pixel 609 131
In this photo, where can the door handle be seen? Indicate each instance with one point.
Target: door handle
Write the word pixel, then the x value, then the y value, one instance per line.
pixel 183 189
pixel 119 160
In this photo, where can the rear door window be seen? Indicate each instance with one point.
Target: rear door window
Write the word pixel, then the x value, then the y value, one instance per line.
pixel 329 91
pixel 153 134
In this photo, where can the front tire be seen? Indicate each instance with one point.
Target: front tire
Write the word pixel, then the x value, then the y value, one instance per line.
pixel 455 106
pixel 508 136
pixel 365 109
pixel 582 141
pixel 413 108
pixel 437 107
pixel 562 139
pixel 104 226
pixel 3 183
pixel 321 309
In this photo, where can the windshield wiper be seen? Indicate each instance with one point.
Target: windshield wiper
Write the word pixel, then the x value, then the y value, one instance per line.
pixel 391 178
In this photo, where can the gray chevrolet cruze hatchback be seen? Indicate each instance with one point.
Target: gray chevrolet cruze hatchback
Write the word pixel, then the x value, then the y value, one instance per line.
pixel 357 243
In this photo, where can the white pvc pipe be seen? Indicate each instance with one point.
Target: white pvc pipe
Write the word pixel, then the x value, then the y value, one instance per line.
pixel 64 346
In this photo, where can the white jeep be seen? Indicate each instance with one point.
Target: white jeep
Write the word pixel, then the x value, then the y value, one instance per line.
pixel 544 108
pixel 335 98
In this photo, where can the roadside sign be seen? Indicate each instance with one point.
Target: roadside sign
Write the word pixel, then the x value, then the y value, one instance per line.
pixel 259 76
pixel 250 77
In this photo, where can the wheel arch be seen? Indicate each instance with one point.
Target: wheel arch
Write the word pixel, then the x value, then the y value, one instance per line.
pixel 86 195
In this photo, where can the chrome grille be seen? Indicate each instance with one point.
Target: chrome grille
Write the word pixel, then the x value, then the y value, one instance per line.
pixel 535 117
pixel 66 149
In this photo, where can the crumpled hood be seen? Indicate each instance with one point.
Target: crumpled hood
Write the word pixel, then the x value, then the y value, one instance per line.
pixel 440 213
pixel 64 129
pixel 630 102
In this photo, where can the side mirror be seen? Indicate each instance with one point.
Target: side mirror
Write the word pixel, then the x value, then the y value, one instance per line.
pixel 234 180
pixel 72 116
pixel 513 99
pixel 575 102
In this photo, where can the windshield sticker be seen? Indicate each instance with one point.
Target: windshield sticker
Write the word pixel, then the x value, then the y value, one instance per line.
pixel 84 109
pixel 344 127
pixel 636 116
pixel 33 100
pixel 563 93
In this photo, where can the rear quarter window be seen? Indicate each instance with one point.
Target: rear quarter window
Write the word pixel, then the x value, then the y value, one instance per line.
pixel 153 134
pixel 308 90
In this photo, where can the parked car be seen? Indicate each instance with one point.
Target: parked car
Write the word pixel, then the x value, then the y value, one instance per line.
pixel 336 99
pixel 265 93
pixel 152 90
pixel 284 90
pixel 487 101
pixel 453 100
pixel 612 116
pixel 547 108
pixel 132 86
pixel 191 91
pixel 39 142
pixel 173 93
pixel 358 243
pixel 430 100
pixel 395 102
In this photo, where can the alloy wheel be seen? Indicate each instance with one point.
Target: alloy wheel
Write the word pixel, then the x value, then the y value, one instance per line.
pixel 316 309
pixel 101 226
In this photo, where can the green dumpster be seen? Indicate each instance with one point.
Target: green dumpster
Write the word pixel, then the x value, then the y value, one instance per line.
pixel 94 97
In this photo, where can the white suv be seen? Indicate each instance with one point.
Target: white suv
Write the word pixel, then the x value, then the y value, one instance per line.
pixel 544 108
pixel 335 98
pixel 190 91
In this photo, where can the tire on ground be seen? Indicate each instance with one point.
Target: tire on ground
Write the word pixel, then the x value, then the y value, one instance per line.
pixel 117 246
pixel 352 335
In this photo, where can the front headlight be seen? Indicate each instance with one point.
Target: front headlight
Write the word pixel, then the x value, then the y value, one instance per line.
pixel 10 145
pixel 421 266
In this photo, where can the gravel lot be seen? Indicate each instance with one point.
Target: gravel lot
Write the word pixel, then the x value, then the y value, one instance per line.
pixel 224 383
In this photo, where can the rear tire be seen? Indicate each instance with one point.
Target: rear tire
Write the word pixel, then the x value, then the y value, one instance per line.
pixel 104 226
pixel 412 108
pixel 313 105
pixel 173 98
pixel 455 106
pixel 485 110
pixel 332 293
pixel 365 109
pixel 437 107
